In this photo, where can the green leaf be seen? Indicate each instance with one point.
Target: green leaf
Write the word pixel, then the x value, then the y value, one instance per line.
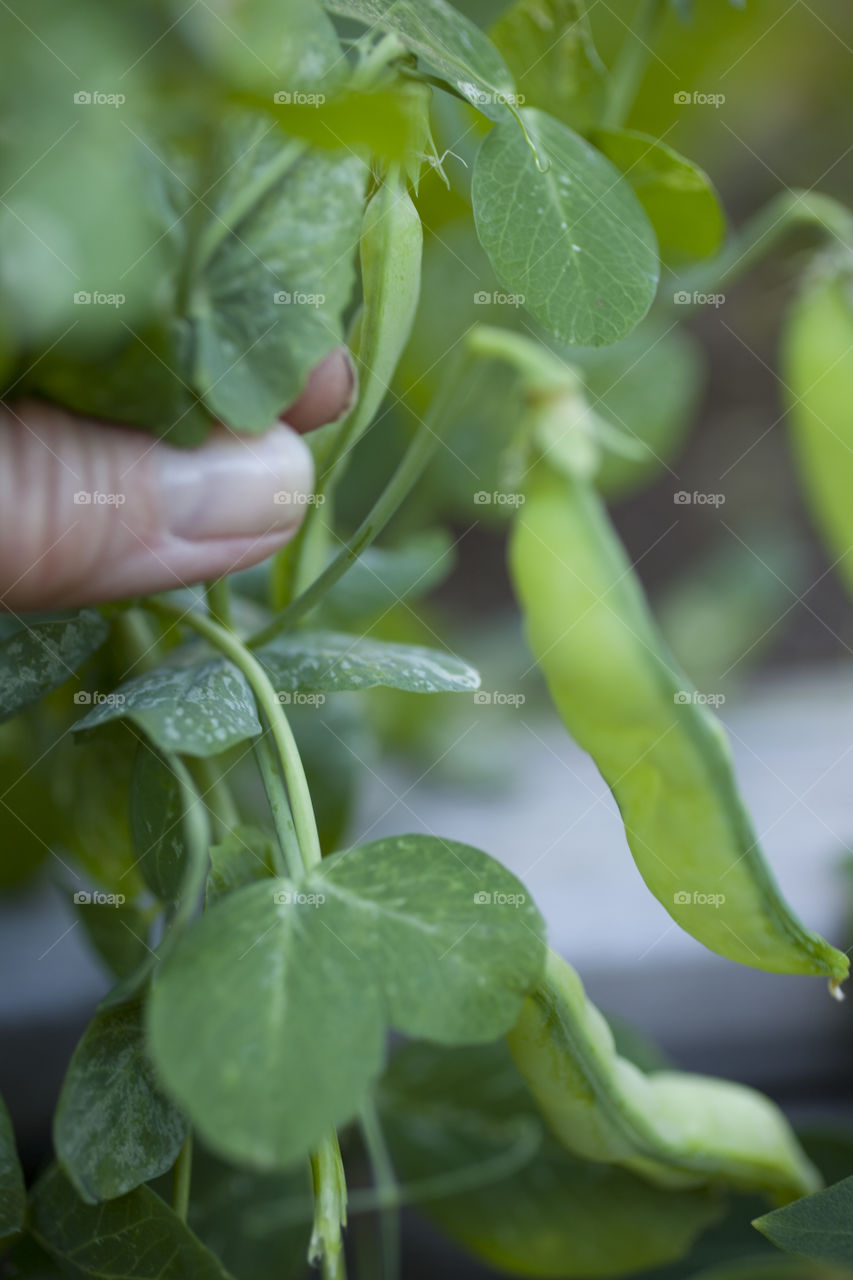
pixel 677 195
pixel 385 576
pixel 548 47
pixel 818 1227
pixel 817 368
pixel 37 658
pixel 326 661
pixel 447 44
pixel 113 1128
pixel 13 1197
pixel 136 1237
pixel 308 976
pixel 772 1269
pixel 574 241
pixel 156 812
pixel 200 709
pixel 267 305
pixel 244 856
pixel 449 1113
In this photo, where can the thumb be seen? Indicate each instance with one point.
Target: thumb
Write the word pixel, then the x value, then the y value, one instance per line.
pixel 93 512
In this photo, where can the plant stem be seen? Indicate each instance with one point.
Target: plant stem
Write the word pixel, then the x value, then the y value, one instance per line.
pixel 330 1209
pixel 630 64
pixel 218 600
pixel 233 648
pixel 409 471
pixel 289 861
pixel 385 1182
pixel 762 232
pixel 182 1177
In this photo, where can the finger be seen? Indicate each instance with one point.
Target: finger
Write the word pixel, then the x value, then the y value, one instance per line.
pixel 92 512
pixel 328 395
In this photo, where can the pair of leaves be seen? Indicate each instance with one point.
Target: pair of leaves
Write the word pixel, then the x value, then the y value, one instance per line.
pixel 427 936
pixel 202 708
pixel 37 657
pixel 451 1114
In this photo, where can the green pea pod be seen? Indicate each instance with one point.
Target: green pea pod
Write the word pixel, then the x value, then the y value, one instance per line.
pixel 662 752
pixel 817 365
pixel 673 1128
pixel 391 248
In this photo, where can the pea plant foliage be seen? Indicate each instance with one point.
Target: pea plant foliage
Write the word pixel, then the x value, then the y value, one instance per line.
pixel 194 755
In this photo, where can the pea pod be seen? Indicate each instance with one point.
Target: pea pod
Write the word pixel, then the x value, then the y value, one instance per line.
pixel 663 754
pixel 817 359
pixel 673 1128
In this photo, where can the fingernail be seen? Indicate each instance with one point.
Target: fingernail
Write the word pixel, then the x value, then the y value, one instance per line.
pixel 329 395
pixel 236 486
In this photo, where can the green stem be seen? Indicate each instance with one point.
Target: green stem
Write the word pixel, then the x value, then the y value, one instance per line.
pixel 762 232
pixel 289 861
pixel 218 600
pixel 630 64
pixel 233 648
pixel 182 1177
pixel 385 1183
pixel 414 461
pixel 330 1209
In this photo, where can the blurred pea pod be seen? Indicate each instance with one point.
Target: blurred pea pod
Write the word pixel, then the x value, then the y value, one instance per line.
pixel 817 366
pixel 661 751
pixel 673 1128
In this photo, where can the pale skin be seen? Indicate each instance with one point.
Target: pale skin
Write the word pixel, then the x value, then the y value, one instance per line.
pixel 92 511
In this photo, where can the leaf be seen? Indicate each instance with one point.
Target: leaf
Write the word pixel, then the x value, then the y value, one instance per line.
pixel 120 935
pixel 156 829
pixel 449 1112
pixel 817 367
pixel 772 1269
pixel 244 856
pixel 574 241
pixel 13 1197
pixel 384 576
pixel 446 42
pixel 818 1227
pixel 309 975
pixel 113 1128
pixel 266 307
pixel 548 47
pixel 38 658
pixel 136 1237
pixel 201 709
pixel 327 661
pixel 677 195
